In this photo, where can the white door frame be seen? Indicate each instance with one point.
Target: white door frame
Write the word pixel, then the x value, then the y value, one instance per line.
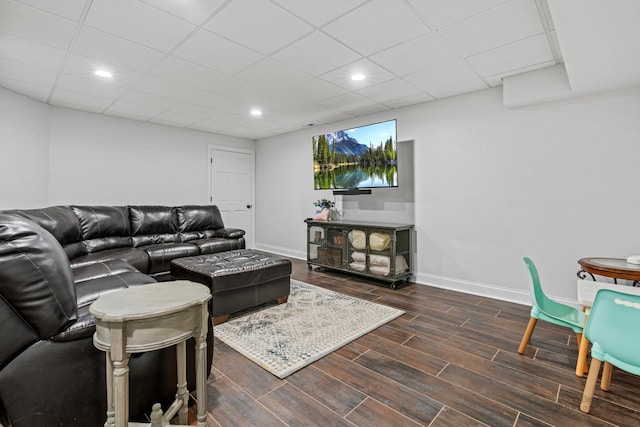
pixel 252 191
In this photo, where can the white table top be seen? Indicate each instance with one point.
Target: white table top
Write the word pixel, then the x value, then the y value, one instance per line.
pixel 587 290
pixel 148 301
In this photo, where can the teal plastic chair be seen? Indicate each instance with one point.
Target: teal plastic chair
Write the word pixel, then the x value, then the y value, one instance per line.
pixel 546 309
pixel 612 329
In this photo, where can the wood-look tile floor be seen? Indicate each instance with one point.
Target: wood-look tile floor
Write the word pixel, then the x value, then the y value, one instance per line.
pixel 451 360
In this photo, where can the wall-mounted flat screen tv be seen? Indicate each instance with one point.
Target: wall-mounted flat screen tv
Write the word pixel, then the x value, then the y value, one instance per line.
pixel 360 157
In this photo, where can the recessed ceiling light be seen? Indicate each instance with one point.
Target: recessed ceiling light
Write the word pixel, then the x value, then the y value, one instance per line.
pixel 256 112
pixel 103 73
pixel 357 77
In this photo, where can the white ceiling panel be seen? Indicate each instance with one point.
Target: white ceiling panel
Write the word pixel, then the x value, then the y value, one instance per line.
pixel 377 25
pixel 70 9
pixel 257 32
pixel 93 87
pixel 316 54
pixel 36 25
pixel 442 76
pixel 415 55
pixel 90 103
pixel 373 73
pixel 196 11
pixel 272 74
pixel 41 93
pixel 319 13
pixel 511 21
pixel 138 22
pixel 511 57
pixel 26 73
pixel 390 90
pixel 28 52
pixel 204 64
pixel 112 51
pixel 211 50
pixel 440 13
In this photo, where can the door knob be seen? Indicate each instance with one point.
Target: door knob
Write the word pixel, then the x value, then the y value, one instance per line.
pixel 249 206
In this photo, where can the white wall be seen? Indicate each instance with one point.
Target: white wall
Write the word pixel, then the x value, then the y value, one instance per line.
pixel 98 159
pixel 54 155
pixel 24 142
pixel 553 182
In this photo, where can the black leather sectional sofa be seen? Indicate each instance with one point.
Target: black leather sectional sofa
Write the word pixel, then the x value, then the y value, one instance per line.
pixel 54 262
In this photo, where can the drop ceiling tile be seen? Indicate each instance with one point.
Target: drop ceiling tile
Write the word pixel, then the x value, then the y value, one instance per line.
pixel 415 55
pixel 70 9
pixel 347 102
pixel 196 11
pixel 368 109
pixel 496 79
pixel 27 73
pixel 92 87
pixel 409 100
pixel 442 76
pixel 316 54
pixel 167 88
pixel 37 54
pixel 81 66
pixel 194 75
pixel 211 125
pixel 172 119
pixel 377 25
pixel 319 13
pixel 440 13
pixel 212 100
pixel 501 25
pixel 215 52
pixel 138 22
pixel 313 89
pixel 114 51
pixel 35 25
pixel 513 56
pixel 389 90
pixel 80 101
pixel 374 74
pixel 272 74
pixel 147 100
pixel 132 111
pixel 460 88
pixel 198 112
pixel 41 93
pixel 264 26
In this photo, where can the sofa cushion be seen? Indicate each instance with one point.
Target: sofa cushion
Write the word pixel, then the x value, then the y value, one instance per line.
pixel 82 273
pixel 152 224
pixel 35 277
pixel 102 221
pixel 62 223
pixel 197 218
pixel 136 257
pixel 217 244
pixel 160 255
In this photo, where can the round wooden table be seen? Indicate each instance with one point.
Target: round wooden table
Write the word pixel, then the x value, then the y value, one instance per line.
pixel 146 318
pixel 616 268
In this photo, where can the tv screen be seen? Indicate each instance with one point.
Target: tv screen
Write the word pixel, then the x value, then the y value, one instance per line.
pixel 361 157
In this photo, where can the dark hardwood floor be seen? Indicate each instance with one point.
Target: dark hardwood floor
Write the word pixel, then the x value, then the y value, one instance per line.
pixel 451 360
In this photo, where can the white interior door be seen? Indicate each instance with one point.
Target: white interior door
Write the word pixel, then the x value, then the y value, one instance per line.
pixel 231 187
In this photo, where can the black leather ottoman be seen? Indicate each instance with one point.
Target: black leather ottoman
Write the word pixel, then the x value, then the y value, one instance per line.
pixel 238 279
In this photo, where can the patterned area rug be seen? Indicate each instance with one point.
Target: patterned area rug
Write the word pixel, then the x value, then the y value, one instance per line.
pixel 314 322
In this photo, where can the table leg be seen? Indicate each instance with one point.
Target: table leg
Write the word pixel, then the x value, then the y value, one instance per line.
pixel 111 413
pixel 121 391
pixel 201 367
pixel 183 393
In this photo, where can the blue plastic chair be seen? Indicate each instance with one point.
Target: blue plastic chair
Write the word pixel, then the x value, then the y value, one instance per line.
pixel 546 309
pixel 612 329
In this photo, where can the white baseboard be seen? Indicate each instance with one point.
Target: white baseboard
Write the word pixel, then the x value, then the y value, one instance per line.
pixel 281 251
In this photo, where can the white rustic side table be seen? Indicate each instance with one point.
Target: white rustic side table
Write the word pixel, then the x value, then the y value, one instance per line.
pixel 146 318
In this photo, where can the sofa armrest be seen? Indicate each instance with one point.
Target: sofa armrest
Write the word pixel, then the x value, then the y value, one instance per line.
pixel 230 233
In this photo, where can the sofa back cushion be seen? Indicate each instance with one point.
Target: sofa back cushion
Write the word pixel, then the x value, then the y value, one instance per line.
pixel 152 224
pixel 198 222
pixel 103 227
pixel 35 278
pixel 61 222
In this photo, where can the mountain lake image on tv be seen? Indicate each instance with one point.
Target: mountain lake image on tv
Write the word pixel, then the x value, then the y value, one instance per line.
pixel 362 157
